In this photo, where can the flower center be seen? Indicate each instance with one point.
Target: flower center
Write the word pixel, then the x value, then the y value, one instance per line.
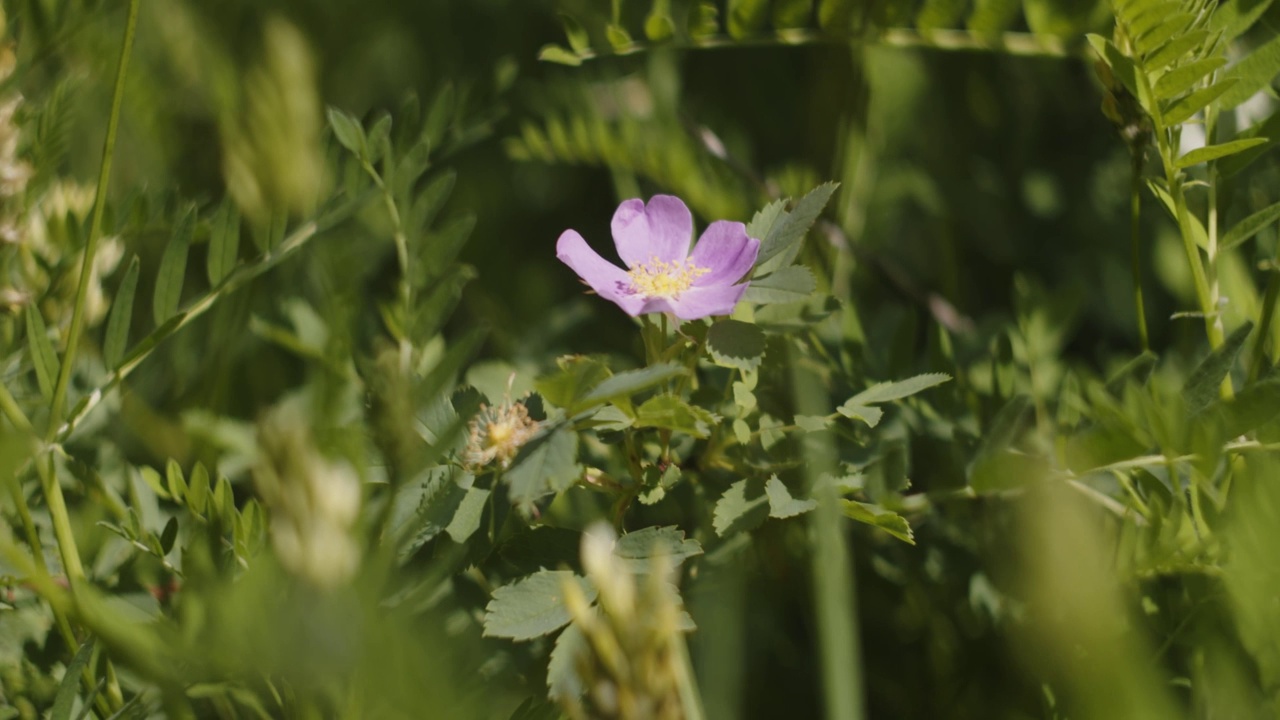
pixel 664 279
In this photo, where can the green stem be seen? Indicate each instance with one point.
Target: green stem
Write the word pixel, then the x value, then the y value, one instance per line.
pixel 95 228
pixel 690 698
pixel 1259 355
pixel 1135 237
pixel 402 259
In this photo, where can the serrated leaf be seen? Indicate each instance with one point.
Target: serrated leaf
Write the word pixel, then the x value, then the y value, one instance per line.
pixel 577 376
pixel 792 229
pixel 638 549
pixel 348 131
pixel 628 383
pixel 1202 386
pixel 173 269
pixel 742 507
pixel 575 33
pixel 532 607
pixel 224 242
pixel 897 390
pixel 1183 78
pixel 781 504
pixel 1255 72
pixel 1213 152
pixel 765 218
pixel 559 55
pixel 548 464
pixel 1184 109
pixel 790 284
pixel 878 517
pixel 43 356
pixel 671 412
pixel 1249 227
pixel 563 683
pixel 736 344
pixel 427 505
pixel 64 700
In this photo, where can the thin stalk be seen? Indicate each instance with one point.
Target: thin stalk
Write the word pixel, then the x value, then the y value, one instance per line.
pixel 690 698
pixel 405 291
pixel 1259 356
pixel 1135 242
pixel 1226 391
pixel 95 228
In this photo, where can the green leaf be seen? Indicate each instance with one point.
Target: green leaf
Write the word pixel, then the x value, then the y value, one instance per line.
pixel 878 517
pixel 747 17
pixel 781 504
pixel 440 115
pixel 1198 233
pixel 790 284
pixel 548 464
pixel 1184 109
pixel 670 412
pixel 1148 19
pixel 1249 227
pixel 65 698
pixel 559 55
pixel 618 36
pixel 577 376
pixel 938 14
pixel 1175 49
pixel 173 269
pixel 224 242
pixel 169 536
pixel 176 483
pixel 1168 28
pixel 789 14
pixel 638 549
pixel 765 218
pixel 466 518
pixel 563 683
pixel 742 507
pixel 736 344
pixel 1255 72
pixel 659 25
pixel 1203 384
pixel 198 489
pixel 348 131
pixel 532 607
pixel 575 33
pixel 432 198
pixel 43 356
pixel 1234 17
pixel 990 17
pixel 813 423
pixel 1213 152
pixel 427 506
pixel 1269 129
pixel 867 414
pixel 836 16
pixel 1121 66
pixel 703 19
pixel 628 383
pixel 888 391
pixel 1183 78
pixel 117 334
pixel 791 230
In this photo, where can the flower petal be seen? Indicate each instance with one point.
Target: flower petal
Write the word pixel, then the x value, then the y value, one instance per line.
pixel 608 280
pixel 726 251
pixel 661 229
pixel 700 302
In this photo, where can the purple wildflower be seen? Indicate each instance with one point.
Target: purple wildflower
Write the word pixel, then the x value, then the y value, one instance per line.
pixel 662 275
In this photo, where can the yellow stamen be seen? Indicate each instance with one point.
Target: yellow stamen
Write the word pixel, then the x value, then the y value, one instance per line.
pixel 665 279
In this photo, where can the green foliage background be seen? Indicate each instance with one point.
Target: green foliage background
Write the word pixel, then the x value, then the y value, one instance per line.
pixel 1089 514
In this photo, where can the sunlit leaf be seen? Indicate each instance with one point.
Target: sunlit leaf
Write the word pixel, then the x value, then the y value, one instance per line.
pixel 532 607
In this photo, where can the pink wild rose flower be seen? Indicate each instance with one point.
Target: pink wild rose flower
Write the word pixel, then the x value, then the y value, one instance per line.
pixel 662 275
